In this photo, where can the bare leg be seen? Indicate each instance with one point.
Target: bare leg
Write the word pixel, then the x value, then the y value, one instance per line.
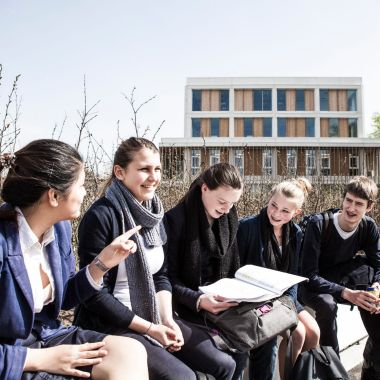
pixel 126 359
pixel 312 330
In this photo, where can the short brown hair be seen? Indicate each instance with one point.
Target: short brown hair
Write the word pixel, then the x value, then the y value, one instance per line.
pixel 362 187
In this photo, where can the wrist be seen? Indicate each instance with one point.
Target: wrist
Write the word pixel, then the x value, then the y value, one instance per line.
pixel 198 303
pixel 100 265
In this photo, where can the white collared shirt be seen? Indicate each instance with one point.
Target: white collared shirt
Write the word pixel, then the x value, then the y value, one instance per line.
pixel 35 256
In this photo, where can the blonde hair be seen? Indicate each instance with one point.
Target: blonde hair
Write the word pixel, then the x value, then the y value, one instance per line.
pixel 295 188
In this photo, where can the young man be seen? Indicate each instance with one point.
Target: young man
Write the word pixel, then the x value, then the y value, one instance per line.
pixel 347 235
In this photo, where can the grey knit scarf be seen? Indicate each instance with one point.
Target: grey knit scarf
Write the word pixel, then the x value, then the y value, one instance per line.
pixel 149 215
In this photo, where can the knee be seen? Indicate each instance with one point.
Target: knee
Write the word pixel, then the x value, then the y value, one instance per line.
pixel 299 334
pixel 122 347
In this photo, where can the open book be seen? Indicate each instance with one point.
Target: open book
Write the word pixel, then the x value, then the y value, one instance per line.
pixel 253 284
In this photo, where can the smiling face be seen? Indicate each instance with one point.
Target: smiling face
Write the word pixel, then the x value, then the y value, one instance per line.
pixel 219 201
pixel 281 210
pixel 143 175
pixel 353 210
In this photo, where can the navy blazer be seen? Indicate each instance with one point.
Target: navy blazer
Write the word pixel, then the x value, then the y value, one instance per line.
pixel 251 247
pixel 17 318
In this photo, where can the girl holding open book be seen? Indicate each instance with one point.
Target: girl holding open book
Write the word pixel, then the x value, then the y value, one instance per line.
pixel 271 239
pixel 202 249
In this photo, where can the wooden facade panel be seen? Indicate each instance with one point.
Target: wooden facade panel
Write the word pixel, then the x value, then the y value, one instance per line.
pixel 224 127
pixel 324 127
pixel 342 100
pixel 239 127
pixel 206 103
pixel 257 157
pixel 291 127
pixel 205 158
pixel 333 100
pixel 300 127
pixel 309 100
pixel 205 127
pixel 248 101
pixel 290 100
pixel 224 156
pixel 215 100
pixel 301 162
pixel 239 96
pixel 258 127
pixel 343 127
pixel 249 168
pixel 281 161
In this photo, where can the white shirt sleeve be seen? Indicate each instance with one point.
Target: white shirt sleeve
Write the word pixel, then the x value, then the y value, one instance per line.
pixel 92 281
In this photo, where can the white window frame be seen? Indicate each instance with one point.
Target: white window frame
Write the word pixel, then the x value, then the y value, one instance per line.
pixel 239 160
pixel 195 161
pixel 214 156
pixel 310 158
pixel 291 161
pixel 325 162
pixel 267 162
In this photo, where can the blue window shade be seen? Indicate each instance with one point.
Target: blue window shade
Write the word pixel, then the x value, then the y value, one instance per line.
pixel 215 127
pixel 310 127
pixel 281 100
pixel 352 127
pixel 281 127
pixel 333 127
pixel 267 127
pixel 224 100
pixel 197 100
pixel 248 127
pixel 196 127
pixel 324 100
pixel 300 100
pixel 267 100
pixel 351 100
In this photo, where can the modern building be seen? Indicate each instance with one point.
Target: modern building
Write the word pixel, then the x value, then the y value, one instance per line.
pixel 274 127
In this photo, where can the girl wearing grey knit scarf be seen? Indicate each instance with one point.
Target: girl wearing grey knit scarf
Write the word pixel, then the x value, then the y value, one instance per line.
pixel 149 215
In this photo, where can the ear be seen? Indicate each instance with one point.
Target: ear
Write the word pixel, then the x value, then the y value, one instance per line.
pixel 369 208
pixel 118 171
pixel 204 188
pixel 52 196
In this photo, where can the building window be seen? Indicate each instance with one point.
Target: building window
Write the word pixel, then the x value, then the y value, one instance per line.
pixel 262 100
pixel 324 100
pixel 197 100
pixel 195 161
pixel 352 127
pixel 196 127
pixel 300 100
pixel 353 164
pixel 214 156
pixel 333 127
pixel 248 130
pixel 239 160
pixel 267 162
pixel 267 127
pixel 291 161
pixel 215 127
pixel 224 100
pixel 325 162
pixel 281 127
pixel 281 100
pixel 311 167
pixel 310 127
pixel 351 100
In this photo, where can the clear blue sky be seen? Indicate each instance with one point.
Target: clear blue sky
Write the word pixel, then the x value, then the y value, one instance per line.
pixel 156 45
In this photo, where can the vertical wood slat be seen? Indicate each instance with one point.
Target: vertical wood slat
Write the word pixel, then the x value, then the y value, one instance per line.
pixel 224 156
pixel 333 100
pixel 205 127
pixel 301 162
pixel 223 125
pixel 215 100
pixel 239 96
pixel 309 100
pixel 300 127
pixel 239 127
pixel 290 127
pixel 290 100
pixel 258 127
pixel 206 100
pixel 342 100
pixel 248 101
pixel 281 161
pixel 248 161
pixel 257 161
pixel 343 128
pixel 324 127
pixel 205 158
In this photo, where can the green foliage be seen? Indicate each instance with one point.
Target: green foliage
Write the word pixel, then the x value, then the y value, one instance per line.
pixel 376 125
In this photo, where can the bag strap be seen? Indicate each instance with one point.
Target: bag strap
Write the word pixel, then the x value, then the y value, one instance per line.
pixel 288 357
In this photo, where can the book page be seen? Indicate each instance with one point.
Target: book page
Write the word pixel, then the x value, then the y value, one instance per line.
pixel 269 279
pixel 235 290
